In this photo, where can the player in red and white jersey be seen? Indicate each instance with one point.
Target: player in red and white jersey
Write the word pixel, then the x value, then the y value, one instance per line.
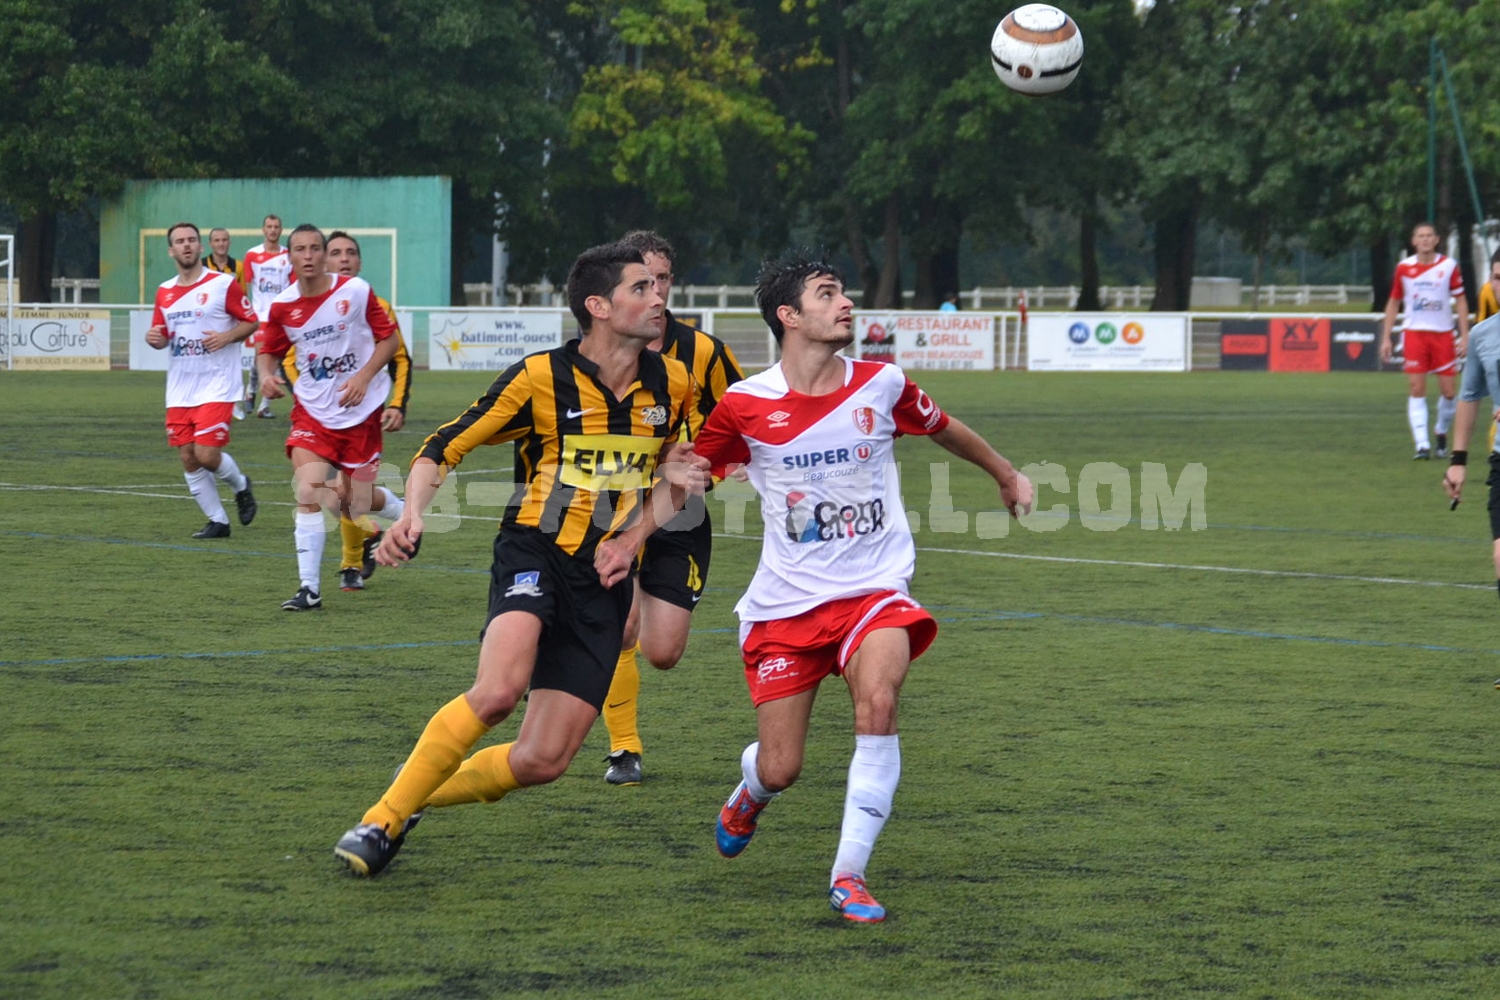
pixel 265 272
pixel 1425 286
pixel 344 340
pixel 831 593
pixel 201 316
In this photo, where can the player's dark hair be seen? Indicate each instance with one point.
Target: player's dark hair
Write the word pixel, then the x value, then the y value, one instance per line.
pixel 217 229
pixel 1495 258
pixel 597 272
pixel 782 280
pixel 648 241
pixel 307 227
pixel 339 234
pixel 181 225
pixel 269 218
pixel 1427 224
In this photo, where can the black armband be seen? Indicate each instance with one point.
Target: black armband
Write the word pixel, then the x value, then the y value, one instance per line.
pixel 1459 458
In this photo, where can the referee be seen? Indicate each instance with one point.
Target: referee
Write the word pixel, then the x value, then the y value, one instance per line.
pixel 591 421
pixel 1481 378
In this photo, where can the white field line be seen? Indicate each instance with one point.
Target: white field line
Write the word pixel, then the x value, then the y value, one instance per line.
pixel 1136 564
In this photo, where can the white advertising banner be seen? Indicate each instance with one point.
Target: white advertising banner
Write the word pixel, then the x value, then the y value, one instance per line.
pixel 927 340
pixel 57 339
pixel 489 341
pixel 1107 342
pixel 143 357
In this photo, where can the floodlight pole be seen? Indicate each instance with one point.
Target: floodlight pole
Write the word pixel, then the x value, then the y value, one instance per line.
pixel 1463 148
pixel 1432 85
pixel 8 266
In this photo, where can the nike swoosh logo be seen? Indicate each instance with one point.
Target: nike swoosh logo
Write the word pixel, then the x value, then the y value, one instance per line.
pixel 697 598
pixel 618 704
pixel 573 414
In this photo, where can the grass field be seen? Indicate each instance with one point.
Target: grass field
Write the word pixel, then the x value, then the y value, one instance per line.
pixel 1255 760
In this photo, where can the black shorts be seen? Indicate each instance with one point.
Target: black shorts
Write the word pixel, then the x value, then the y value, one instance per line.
pixel 582 623
pixel 1494 484
pixel 674 565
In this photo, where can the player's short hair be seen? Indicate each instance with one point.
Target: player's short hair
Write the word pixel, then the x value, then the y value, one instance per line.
pixel 1427 224
pixel 182 225
pixel 782 280
pixel 1495 258
pixel 217 229
pixel 649 241
pixel 269 218
pixel 339 234
pixel 306 227
pixel 597 272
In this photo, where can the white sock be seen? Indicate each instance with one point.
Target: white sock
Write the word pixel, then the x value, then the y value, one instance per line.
pixel 309 536
pixel 1416 416
pixel 749 769
pixel 873 775
pixel 206 492
pixel 392 506
pixel 230 472
pixel 1446 408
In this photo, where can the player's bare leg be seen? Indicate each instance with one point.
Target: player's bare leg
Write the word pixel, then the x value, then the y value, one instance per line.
pixel 767 767
pixel 874 674
pixel 662 630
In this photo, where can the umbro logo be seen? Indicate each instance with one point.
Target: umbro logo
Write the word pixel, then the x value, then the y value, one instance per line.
pixel 872 811
pixel 779 418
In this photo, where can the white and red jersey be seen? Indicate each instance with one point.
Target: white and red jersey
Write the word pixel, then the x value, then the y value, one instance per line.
pixel 830 494
pixel 335 335
pixel 215 303
pixel 267 273
pixel 1426 291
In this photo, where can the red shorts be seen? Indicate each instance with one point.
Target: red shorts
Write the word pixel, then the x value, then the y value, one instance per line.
pixel 792 655
pixel 355 450
pixel 1428 352
pixel 206 424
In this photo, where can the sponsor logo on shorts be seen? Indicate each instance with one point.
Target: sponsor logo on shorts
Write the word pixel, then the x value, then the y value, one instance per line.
pixel 653 416
pixel 525 585
pixel 775 669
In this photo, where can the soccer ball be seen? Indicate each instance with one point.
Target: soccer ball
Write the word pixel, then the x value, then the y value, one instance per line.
pixel 1037 49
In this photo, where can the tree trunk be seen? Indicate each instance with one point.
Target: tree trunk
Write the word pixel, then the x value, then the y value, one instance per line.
pixel 869 275
pixel 1381 270
pixel 1176 233
pixel 935 252
pixel 36 252
pixel 888 294
pixel 1088 261
pixel 459 229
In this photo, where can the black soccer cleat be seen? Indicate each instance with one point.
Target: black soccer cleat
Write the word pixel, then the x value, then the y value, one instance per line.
pixel 350 579
pixel 1442 446
pixel 1422 455
pixel 624 768
pixel 213 529
pixel 369 566
pixel 367 849
pixel 306 599
pixel 244 502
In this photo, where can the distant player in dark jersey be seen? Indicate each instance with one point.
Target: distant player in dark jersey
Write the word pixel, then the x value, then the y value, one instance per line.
pixel 218 258
pixel 1425 288
pixel 830 594
pixel 592 421
pixel 674 564
pixel 202 316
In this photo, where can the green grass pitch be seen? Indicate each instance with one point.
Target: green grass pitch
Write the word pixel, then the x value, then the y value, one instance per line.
pixel 1253 760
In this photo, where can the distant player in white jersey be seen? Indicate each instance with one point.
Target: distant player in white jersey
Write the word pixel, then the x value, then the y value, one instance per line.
pixel 344 340
pixel 265 271
pixel 1425 286
pixel 830 595
pixel 202 316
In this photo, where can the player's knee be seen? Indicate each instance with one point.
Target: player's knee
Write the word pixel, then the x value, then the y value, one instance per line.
pixel 493 705
pixel 779 775
pixel 532 768
pixel 663 655
pixel 875 711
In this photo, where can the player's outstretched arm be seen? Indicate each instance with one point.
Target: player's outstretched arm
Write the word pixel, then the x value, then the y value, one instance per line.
pixel 683 473
pixel 1016 491
pixel 272 385
pixel 400 541
pixel 1463 427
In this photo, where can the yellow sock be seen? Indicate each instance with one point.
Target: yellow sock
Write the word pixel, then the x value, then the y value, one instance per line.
pixel 620 705
pixel 484 777
pixel 450 734
pixel 353 535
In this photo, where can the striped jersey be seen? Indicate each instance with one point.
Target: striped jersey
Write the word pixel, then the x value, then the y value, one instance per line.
pixel 214 303
pixel 708 360
pixel 583 457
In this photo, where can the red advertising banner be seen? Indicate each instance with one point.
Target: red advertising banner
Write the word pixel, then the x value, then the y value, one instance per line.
pixel 1299 345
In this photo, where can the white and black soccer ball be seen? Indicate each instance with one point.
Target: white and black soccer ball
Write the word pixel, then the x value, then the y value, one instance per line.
pixel 1037 49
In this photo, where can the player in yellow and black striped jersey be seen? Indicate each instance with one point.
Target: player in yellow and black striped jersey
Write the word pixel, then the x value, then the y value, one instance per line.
pixel 593 422
pixel 674 564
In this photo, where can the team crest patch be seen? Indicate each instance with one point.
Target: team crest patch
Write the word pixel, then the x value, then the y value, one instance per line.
pixel 653 416
pixel 525 585
pixel 864 419
pixel 203 298
pixel 342 307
